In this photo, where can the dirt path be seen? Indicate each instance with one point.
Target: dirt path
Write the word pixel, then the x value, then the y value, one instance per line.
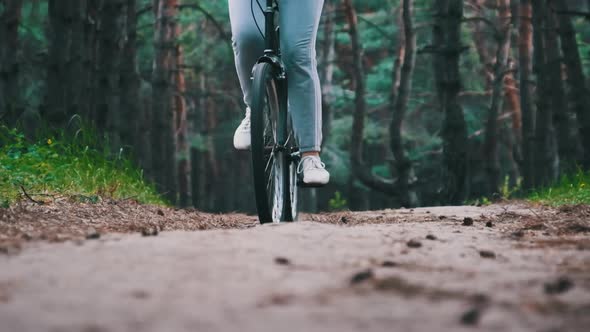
pixel 405 270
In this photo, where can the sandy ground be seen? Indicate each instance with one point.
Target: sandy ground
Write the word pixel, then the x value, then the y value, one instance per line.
pixel 427 269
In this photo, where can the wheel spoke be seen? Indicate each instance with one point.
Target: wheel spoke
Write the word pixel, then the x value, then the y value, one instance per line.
pixel 271 176
pixel 270 159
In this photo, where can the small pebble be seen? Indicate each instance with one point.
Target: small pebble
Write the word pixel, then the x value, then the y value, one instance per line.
pixel 487 254
pixel 92 234
pixel 489 224
pixel 414 244
pixel 149 231
pixel 518 234
pixel 160 212
pixel 431 237
pixel 362 276
pixel 471 317
pixel 389 264
pixel 467 221
pixel 282 261
pixel 27 236
pixel 559 286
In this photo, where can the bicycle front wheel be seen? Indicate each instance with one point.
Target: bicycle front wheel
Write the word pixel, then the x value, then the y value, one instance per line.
pixel 270 158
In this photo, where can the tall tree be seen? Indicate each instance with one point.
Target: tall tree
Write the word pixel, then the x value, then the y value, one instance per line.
pixel 181 127
pixel 566 143
pixel 545 148
pixel 578 86
pixel 64 93
pixel 10 16
pixel 480 24
pixel 447 49
pixel 500 67
pixel 359 168
pixel 526 103
pixel 111 36
pixel 403 165
pixel 164 161
pixel 130 82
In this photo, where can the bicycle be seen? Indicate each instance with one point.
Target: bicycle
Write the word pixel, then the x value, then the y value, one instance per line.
pixel 275 154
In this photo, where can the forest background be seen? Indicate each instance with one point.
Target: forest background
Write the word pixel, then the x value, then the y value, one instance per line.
pixel 424 102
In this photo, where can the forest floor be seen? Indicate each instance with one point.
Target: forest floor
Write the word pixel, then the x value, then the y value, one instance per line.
pixel 122 266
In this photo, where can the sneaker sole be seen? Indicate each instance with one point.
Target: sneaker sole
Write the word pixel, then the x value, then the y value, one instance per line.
pixel 302 184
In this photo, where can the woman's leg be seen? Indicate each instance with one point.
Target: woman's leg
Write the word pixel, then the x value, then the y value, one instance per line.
pixel 246 40
pixel 299 21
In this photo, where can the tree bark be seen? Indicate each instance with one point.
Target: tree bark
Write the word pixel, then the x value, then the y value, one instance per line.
pixel 110 37
pixel 528 112
pixel 164 161
pixel 575 79
pixel 130 83
pixel 545 150
pixel 10 17
pixel 500 67
pixel 182 146
pixel 566 143
pixel 481 43
pixel 64 95
pixel 403 164
pixel 359 169
pixel 448 15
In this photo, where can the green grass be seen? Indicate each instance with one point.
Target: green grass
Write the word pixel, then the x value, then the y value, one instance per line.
pixel 55 167
pixel 571 190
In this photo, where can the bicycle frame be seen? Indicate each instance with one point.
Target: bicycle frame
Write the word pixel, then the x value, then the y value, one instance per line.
pixel 271 42
pixel 272 51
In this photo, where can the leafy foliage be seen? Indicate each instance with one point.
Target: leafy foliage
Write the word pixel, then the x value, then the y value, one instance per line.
pixel 55 167
pixel 571 190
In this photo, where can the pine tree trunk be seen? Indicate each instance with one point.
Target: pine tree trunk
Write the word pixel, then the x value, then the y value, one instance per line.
pixel 403 164
pixel 526 102
pixel 545 149
pixel 575 79
pixel 448 15
pixel 566 143
pixel 500 66
pixel 90 58
pixel 65 91
pixel 512 100
pixel 182 146
pixel 164 161
pixel 111 33
pixel 480 39
pixel 10 17
pixel 130 82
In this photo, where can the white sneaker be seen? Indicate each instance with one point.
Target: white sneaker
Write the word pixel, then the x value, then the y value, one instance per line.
pixel 242 134
pixel 313 171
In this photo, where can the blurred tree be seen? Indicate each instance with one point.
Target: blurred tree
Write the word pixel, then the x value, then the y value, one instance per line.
pixel 580 95
pixel 525 47
pixel 447 48
pixel 163 144
pixel 10 18
pixel 403 165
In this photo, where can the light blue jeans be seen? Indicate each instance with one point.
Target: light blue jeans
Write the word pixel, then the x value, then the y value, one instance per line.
pixel 299 21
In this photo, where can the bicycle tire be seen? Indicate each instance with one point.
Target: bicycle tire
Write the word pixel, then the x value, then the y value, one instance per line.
pixel 269 134
pixel 293 201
